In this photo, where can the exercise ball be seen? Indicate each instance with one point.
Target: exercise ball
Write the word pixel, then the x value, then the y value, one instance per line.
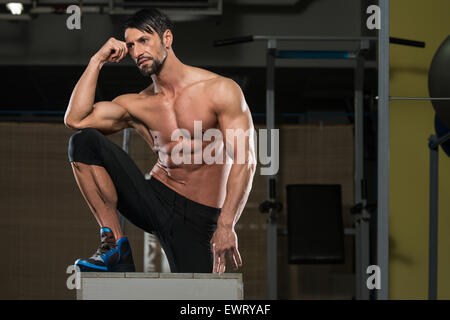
pixel 439 81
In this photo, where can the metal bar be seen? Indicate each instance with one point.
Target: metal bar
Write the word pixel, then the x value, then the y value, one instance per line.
pixel 418 98
pixel 365 253
pixel 359 128
pixel 122 11
pixel 172 13
pixel 361 224
pixel 250 38
pixel 434 143
pixel 272 273
pixel 358 269
pixel 236 40
pixel 414 98
pixel 357 175
pixel 159 4
pixel 433 236
pixel 164 4
pixel 8 16
pixel 383 151
pixel 406 42
pixel 311 38
pixel 349 231
pixel 220 6
pixel 31 112
pixel 19 1
pixel 301 54
pixel 393 40
pixel 312 115
pixel 51 10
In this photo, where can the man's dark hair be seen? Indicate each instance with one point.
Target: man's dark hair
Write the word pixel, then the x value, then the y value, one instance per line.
pixel 148 19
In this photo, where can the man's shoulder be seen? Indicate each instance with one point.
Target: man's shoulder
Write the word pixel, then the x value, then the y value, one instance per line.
pixel 224 94
pixel 222 83
pixel 125 98
pixel 213 81
pixel 133 97
pixel 221 89
pixel 224 91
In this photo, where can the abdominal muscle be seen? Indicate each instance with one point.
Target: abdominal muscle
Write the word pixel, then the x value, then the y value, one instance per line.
pixel 202 183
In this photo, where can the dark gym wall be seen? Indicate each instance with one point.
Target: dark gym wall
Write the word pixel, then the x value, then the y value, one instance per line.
pixel 46 40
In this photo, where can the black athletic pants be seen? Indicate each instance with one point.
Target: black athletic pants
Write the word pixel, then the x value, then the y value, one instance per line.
pixel 183 227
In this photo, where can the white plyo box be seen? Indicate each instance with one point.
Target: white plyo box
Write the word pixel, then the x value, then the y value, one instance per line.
pixel 160 286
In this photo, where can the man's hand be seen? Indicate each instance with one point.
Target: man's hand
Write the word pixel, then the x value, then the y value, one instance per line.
pixel 112 51
pixel 224 244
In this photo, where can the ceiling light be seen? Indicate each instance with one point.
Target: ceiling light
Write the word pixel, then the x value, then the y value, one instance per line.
pixel 15 7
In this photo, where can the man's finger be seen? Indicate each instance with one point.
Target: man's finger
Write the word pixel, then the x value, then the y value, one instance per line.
pixel 223 262
pixel 237 256
pixel 232 259
pixel 211 245
pixel 216 262
pixel 114 54
pixel 124 52
pixel 119 56
pixel 118 50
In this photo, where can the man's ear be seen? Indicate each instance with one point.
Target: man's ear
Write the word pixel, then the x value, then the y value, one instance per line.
pixel 167 38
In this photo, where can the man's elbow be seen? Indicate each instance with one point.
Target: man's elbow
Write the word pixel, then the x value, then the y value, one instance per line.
pixel 71 124
pixel 67 122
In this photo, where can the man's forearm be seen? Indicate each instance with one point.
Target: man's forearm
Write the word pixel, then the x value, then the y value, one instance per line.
pixel 83 96
pixel 239 185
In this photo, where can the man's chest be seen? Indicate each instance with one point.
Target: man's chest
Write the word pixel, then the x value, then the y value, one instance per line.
pixel 166 120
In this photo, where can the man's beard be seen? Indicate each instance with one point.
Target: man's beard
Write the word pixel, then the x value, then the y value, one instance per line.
pixel 153 68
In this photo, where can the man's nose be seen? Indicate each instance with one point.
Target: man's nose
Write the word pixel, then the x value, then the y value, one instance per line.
pixel 138 51
pixel 136 56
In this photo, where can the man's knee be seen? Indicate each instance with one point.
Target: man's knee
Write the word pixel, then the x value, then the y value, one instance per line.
pixel 84 146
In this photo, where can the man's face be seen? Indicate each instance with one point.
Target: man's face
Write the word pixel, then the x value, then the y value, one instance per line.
pixel 146 50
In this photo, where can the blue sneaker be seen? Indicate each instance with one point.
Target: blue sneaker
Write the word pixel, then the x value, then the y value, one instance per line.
pixel 111 256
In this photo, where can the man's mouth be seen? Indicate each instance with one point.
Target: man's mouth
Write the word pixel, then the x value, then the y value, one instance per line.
pixel 142 62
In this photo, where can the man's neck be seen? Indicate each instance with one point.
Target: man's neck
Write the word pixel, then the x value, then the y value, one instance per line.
pixel 172 76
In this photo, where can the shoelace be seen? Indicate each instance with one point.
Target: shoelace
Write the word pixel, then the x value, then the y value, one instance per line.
pixel 105 247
